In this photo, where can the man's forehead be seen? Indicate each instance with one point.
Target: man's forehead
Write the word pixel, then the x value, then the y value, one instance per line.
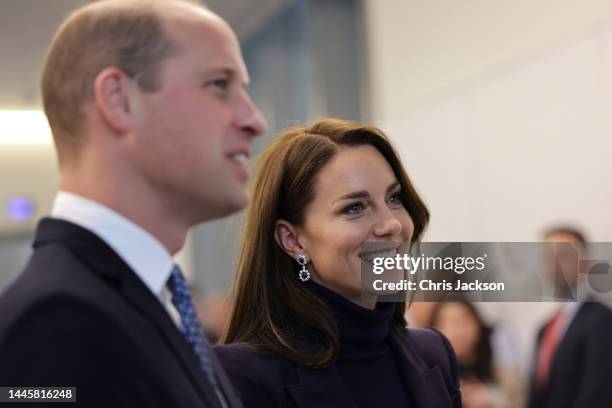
pixel 208 36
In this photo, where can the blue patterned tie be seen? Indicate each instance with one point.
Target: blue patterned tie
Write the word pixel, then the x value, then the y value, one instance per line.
pixel 191 328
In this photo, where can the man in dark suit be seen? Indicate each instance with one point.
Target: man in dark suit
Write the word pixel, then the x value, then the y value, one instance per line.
pixel 572 367
pixel 147 105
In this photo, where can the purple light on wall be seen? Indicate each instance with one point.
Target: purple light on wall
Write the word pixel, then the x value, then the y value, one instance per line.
pixel 20 209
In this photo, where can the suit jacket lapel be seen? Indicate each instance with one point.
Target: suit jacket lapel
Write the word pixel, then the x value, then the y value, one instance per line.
pixel 412 368
pixel 104 261
pixel 140 297
pixel 533 368
pixel 225 384
pixel 425 383
pixel 567 335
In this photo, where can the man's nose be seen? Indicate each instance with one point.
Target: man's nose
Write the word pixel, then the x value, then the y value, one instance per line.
pixel 250 118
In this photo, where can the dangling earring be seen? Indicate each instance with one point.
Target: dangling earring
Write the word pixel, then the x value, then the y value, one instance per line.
pixel 304 275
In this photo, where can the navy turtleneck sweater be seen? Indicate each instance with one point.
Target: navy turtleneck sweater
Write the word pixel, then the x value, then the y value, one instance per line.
pixel 366 362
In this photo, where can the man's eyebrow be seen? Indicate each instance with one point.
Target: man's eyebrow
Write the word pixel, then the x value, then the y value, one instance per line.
pixel 364 193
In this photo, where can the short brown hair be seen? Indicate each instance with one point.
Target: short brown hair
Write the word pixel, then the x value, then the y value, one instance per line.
pixel 578 235
pixel 273 311
pixel 127 35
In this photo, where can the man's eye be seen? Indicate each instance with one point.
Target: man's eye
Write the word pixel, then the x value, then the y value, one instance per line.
pixel 220 83
pixel 353 209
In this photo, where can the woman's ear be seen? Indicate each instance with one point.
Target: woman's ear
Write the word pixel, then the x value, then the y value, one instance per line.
pixel 287 237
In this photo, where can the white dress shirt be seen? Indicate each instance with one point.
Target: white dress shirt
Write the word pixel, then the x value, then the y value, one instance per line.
pixel 147 257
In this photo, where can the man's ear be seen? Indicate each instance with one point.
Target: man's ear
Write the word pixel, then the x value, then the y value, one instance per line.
pixel 287 237
pixel 111 96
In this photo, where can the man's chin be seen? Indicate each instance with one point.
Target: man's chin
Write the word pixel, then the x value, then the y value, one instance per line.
pixel 220 205
pixel 237 202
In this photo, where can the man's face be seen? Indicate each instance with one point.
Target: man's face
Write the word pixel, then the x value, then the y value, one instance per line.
pixel 562 262
pixel 192 136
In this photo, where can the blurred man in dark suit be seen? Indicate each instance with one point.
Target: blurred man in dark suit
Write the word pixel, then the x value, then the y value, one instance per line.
pixel 152 124
pixel 573 366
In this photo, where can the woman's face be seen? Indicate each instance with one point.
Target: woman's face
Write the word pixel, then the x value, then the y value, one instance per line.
pixel 356 200
pixel 457 323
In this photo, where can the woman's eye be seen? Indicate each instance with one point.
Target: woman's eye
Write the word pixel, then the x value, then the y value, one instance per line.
pixel 395 199
pixel 353 209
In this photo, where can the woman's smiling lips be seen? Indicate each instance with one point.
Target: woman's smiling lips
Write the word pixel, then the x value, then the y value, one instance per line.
pixel 379 253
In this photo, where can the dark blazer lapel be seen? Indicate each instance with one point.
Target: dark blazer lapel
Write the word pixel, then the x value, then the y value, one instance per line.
pixel 533 389
pixel 572 330
pixel 226 385
pixel 104 261
pixel 140 297
pixel 412 367
pixel 426 384
pixel 321 387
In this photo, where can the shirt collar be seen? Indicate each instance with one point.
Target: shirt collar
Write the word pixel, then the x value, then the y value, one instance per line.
pixel 147 257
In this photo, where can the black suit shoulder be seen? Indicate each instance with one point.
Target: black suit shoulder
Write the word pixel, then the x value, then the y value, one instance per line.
pixel 60 341
pixel 435 349
pixel 256 374
pixel 590 328
pixel 580 373
pixel 58 285
pixel 68 320
pixel 60 328
pixel 52 336
pixel 595 314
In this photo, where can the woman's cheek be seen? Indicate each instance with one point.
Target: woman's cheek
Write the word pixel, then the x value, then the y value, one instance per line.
pixel 407 227
pixel 357 235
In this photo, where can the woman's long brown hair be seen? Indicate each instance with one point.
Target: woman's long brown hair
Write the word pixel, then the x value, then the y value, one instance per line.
pixel 272 310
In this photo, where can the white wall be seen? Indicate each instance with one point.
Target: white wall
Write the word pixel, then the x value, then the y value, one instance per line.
pixel 420 49
pixel 502 113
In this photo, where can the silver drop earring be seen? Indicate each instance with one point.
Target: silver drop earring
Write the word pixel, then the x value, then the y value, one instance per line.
pixel 304 275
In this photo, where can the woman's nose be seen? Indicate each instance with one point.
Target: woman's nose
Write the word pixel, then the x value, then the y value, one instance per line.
pixel 388 225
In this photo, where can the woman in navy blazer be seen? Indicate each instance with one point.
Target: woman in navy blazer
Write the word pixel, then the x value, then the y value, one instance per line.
pixel 303 333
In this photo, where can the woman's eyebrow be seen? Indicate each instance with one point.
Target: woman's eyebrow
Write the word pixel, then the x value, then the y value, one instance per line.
pixel 354 194
pixel 364 193
pixel 392 186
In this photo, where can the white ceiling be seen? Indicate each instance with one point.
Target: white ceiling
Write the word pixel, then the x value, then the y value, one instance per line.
pixel 247 17
pixel 26 28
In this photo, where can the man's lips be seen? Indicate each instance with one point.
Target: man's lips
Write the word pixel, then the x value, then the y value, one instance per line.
pixel 240 157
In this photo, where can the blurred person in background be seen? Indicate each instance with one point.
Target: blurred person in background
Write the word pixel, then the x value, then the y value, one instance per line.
pixel 213 310
pixel 302 333
pixel 147 105
pixel 572 365
pixel 419 313
pixel 484 382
